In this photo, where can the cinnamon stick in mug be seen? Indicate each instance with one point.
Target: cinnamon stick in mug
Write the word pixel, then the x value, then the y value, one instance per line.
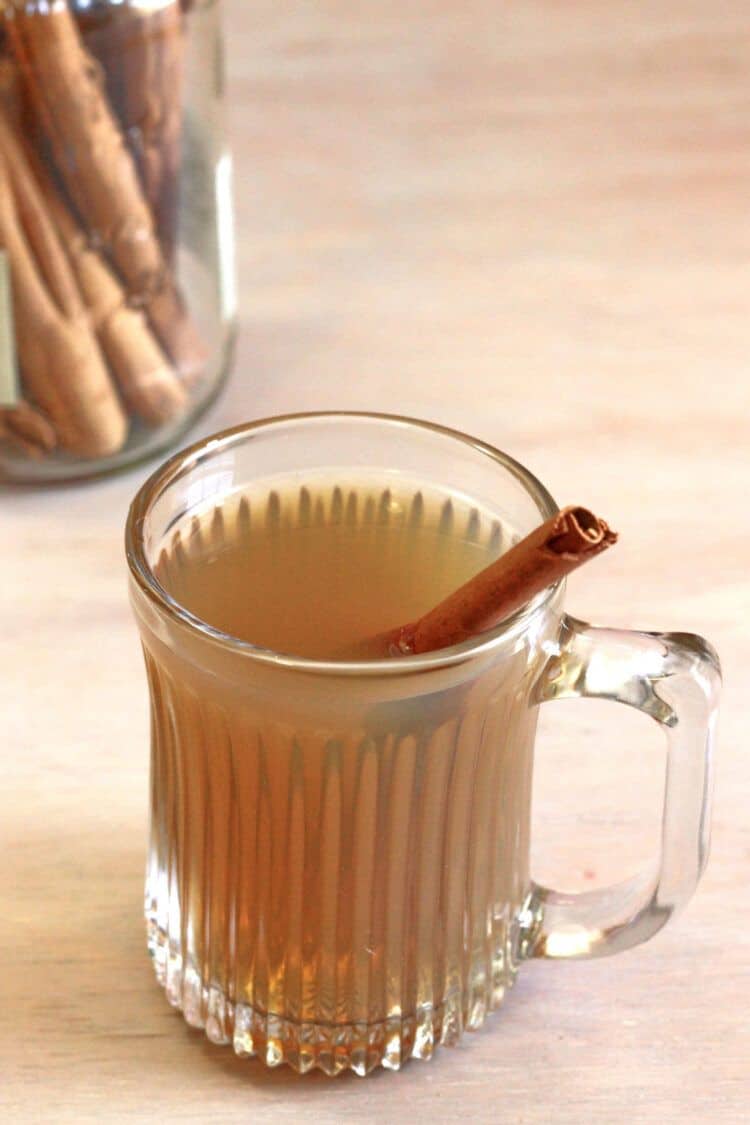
pixel 549 553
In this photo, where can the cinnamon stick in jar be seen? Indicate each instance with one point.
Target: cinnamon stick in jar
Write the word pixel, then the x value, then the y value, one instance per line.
pixel 97 168
pixel 552 551
pixel 63 370
pixel 140 49
pixel 26 428
pixel 154 85
pixel 144 375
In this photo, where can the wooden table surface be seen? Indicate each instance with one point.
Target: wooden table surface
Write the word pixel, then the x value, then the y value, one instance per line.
pixel 531 221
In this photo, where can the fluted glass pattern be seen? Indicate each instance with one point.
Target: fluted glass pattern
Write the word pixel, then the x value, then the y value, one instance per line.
pixel 338 898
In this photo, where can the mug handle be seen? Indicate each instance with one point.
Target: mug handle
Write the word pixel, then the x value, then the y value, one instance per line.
pixel 674 678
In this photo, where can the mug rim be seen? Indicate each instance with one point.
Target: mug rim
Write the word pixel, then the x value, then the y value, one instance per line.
pixel 181 462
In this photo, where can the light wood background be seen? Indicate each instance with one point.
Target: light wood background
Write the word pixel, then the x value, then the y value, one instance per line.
pixel 531 221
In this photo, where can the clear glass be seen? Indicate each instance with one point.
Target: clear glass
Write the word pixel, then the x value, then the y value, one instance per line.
pixel 338 872
pixel 117 288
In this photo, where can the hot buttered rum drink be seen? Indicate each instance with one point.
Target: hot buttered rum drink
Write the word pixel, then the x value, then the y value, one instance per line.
pixel 339 858
pixel 313 571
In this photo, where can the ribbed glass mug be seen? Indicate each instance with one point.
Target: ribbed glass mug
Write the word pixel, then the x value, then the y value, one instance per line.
pixel 338 871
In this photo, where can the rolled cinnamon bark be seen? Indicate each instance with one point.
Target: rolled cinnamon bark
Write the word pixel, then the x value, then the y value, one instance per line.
pixel 27 429
pixel 145 376
pixel 140 49
pixel 97 168
pixel 549 553
pixel 63 369
pixel 155 79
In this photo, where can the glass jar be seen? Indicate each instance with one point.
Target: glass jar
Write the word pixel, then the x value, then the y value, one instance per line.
pixel 117 296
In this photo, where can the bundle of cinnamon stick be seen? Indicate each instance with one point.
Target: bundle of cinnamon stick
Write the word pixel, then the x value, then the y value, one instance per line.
pixel 90 122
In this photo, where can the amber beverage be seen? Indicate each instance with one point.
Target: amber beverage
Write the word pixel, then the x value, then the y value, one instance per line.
pixel 338 871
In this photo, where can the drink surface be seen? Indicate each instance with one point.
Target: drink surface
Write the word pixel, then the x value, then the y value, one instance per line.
pixel 312 569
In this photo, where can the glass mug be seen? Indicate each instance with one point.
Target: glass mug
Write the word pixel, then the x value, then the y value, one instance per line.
pixel 338 869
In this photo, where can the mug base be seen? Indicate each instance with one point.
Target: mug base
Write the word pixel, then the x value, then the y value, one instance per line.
pixel 304 1046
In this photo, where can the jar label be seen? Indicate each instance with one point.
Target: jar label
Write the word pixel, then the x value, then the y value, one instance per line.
pixel 9 386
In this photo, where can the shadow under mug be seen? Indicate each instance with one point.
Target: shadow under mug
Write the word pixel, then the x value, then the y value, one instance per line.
pixel 338 871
